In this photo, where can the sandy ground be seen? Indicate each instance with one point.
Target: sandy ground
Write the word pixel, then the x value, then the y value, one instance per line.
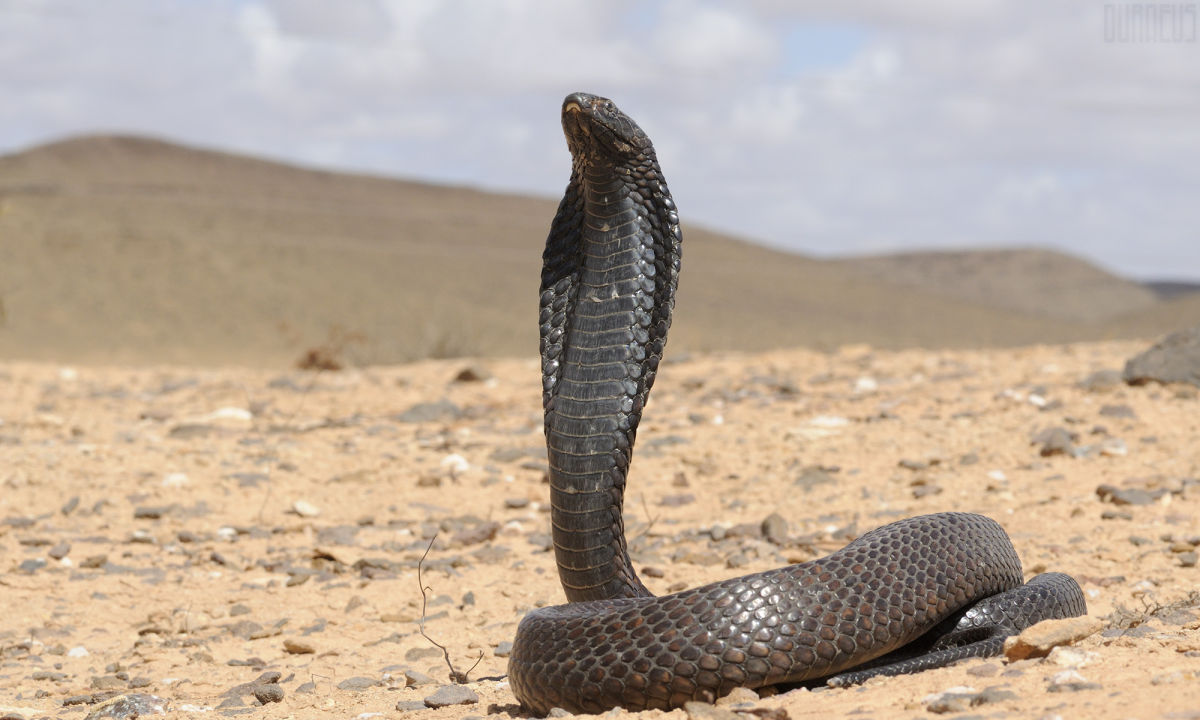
pixel 178 530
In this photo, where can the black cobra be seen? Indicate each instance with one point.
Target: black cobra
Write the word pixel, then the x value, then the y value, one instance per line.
pixel 912 595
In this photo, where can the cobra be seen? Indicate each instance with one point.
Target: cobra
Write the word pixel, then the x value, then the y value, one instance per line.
pixel 915 594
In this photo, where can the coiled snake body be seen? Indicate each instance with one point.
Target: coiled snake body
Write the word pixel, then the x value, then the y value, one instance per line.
pixel 912 595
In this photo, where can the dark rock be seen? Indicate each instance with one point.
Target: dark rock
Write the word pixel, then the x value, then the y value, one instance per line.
pixel 70 505
pixel 410 705
pixel 1057 442
pixel 358 684
pixel 75 700
pixel 268 693
pixel 231 702
pixel 1187 559
pixel 307 688
pixel 152 513
pixel 1175 358
pixel 775 529
pixel 473 373
pixel 448 695
pixel 1116 515
pixel 516 503
pixel 480 533
pixel 1127 496
pixel 239 609
pixel 266 678
pixel 31 566
pixel 138 683
pixel 429 412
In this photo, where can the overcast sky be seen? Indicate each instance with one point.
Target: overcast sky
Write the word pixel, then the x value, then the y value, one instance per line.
pixel 825 127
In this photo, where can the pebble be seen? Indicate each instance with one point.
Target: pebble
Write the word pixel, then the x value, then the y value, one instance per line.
pixel 1187 559
pixel 269 693
pixel 298 647
pixel 1067 656
pixel 704 711
pixel 409 705
pixel 1174 359
pixel 128 707
pixel 1127 496
pixel 357 684
pixel 428 412
pixel 305 509
pixel 557 712
pixel 1040 639
pixel 413 678
pixel 985 670
pixel 448 695
pixel 775 529
pixel 1102 381
pixel 1118 411
pixel 1056 441
pixel 60 551
pixel 1071 681
pixel 504 649
pixel 473 373
pixel 307 688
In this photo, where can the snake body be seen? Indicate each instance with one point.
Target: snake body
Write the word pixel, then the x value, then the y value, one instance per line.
pixel 911 595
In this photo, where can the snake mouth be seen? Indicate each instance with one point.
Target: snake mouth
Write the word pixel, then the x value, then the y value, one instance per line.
pixel 572 107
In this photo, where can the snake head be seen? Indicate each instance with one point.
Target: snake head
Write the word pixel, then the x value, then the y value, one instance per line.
pixel 596 128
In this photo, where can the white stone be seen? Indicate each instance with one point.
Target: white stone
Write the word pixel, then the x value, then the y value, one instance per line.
pixel 78 652
pixel 305 509
pixel 1072 657
pixel 176 480
pixel 455 463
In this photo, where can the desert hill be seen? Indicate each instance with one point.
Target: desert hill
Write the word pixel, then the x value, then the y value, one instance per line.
pixel 121 249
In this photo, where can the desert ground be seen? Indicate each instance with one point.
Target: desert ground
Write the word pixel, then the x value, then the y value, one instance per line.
pixel 184 532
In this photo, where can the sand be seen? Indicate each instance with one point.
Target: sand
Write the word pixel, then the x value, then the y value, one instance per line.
pixel 226 515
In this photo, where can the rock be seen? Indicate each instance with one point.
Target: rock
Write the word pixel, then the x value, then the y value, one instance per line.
pixel 1056 441
pixel 516 503
pixel 1070 681
pixel 736 696
pixel 480 533
pixel 128 707
pixel 60 551
pixel 1118 411
pixel 357 684
pixel 1116 515
pixel 504 649
pixel 305 509
pixel 1038 640
pixel 949 702
pixel 413 678
pixel 307 688
pixel 812 477
pixel 1187 559
pixel 985 670
pixel 473 373
pixel 31 566
pixel 1127 496
pixel 1102 381
pixel 93 562
pixel 1067 656
pixel 1175 358
pixel 231 702
pixel 249 688
pixel 408 705
pixel 448 695
pixel 704 711
pixel 429 412
pixel 417 653
pixel 138 683
pixel 557 712
pixel 677 500
pixel 268 693
pixel 74 700
pixel 298 647
pixel 775 529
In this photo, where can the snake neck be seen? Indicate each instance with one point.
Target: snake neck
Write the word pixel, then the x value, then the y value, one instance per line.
pixel 608 290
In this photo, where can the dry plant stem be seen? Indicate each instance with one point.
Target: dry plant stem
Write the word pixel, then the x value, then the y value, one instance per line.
pixel 456 676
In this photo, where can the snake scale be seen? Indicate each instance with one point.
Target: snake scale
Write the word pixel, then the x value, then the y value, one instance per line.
pixel 914 594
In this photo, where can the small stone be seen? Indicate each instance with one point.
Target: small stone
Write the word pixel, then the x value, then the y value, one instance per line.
pixel 1187 559
pixel 408 705
pixel 950 703
pixel 413 678
pixel 985 670
pixel 1056 442
pixel 60 551
pixel 129 707
pixel 1174 359
pixel 738 695
pixel 305 509
pixel 74 700
pixel 1071 681
pixel 357 684
pixel 516 503
pixel 31 566
pixel 1118 411
pixel 1066 656
pixel 269 693
pixel 1125 496
pixel 140 682
pixel 429 412
pixel 231 702
pixel 557 712
pixel 504 649
pixel 651 571
pixel 775 529
pixel 703 711
pixel 812 477
pixel 1102 381
pixel 307 688
pixel 1038 640
pixel 1116 515
pixel 473 373
pixel 298 647
pixel 678 500
pixel 926 491
pixel 448 695
pixel 415 654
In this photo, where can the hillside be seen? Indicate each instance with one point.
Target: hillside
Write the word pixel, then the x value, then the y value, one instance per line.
pixel 118 249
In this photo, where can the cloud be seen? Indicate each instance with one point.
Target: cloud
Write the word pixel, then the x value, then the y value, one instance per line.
pixel 824 127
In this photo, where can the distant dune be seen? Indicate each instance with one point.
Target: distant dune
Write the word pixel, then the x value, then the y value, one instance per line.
pixel 119 249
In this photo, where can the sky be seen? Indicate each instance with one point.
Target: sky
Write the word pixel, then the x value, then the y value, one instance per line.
pixel 829 128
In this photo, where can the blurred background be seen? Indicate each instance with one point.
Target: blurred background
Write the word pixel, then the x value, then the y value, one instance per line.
pixel 272 182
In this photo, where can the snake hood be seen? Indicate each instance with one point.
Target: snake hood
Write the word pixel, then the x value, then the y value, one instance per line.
pixel 597 129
